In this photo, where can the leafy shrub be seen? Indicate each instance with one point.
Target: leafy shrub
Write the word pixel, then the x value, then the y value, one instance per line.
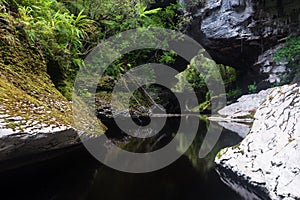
pixel 113 17
pixel 51 27
pixel 233 94
pixel 66 30
pixel 59 33
pixel 199 80
pixel 252 88
pixel 290 53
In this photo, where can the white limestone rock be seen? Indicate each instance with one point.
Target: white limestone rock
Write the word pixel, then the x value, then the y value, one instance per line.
pixel 245 106
pixel 241 129
pixel 269 156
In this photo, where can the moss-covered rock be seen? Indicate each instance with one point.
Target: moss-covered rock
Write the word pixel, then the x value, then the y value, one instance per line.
pixel 25 88
pixel 32 111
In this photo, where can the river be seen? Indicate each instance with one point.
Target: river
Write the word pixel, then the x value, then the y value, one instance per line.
pixel 76 175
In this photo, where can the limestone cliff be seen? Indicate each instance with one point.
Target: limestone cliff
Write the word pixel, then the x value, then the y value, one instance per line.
pixel 237 32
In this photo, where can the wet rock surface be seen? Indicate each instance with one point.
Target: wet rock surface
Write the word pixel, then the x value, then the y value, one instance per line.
pixel 268 158
pixel 238 116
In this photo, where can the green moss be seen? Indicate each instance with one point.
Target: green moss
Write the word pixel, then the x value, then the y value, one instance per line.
pixel 12 125
pixel 26 90
pixel 204 118
pixel 291 139
pixel 235 146
pixel 206 105
pixel 241 151
pixel 221 153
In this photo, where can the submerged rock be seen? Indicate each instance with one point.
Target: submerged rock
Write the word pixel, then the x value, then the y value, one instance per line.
pixel 267 161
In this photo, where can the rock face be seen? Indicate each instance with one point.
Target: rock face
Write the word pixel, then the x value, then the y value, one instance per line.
pixel 34 116
pixel 268 159
pixel 19 145
pixel 237 116
pixel 236 32
pixel 272 69
pixel 240 128
pixel 246 106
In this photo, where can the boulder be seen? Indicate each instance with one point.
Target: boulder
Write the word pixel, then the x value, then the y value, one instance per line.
pixel 245 107
pixel 266 163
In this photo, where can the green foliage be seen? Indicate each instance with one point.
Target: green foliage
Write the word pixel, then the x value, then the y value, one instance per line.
pixel 200 77
pixel 252 88
pixel 290 53
pixel 200 74
pixel 60 34
pixel 2 2
pixel 120 15
pixel 233 93
pixel 168 57
pixel 113 17
pixel 66 30
pixel 228 74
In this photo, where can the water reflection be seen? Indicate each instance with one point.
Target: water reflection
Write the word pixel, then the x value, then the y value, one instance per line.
pixel 78 176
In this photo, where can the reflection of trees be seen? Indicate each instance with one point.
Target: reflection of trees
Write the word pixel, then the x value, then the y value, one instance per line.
pixel 207 163
pixel 152 143
pixel 204 165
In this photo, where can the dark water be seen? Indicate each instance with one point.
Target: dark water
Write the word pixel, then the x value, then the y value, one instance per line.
pixel 77 175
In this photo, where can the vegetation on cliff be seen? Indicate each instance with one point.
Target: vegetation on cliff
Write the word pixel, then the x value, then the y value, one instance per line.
pixel 26 89
pixel 45 42
pixel 29 99
pixel 290 53
pixel 65 31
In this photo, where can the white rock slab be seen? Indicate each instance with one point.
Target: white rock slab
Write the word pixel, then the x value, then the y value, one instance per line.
pixel 269 156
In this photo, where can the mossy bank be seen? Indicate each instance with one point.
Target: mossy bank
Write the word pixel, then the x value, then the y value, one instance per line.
pixel 34 116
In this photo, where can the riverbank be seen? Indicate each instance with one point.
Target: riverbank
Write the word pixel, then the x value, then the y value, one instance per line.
pixel 34 116
pixel 268 158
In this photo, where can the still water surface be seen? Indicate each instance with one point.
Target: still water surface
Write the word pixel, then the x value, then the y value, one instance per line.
pixel 76 175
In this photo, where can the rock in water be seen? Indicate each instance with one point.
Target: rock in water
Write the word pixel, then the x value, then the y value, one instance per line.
pixel 245 106
pixel 269 157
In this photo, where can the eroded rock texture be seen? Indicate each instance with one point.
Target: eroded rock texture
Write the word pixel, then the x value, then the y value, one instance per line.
pixel 236 32
pixel 269 157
